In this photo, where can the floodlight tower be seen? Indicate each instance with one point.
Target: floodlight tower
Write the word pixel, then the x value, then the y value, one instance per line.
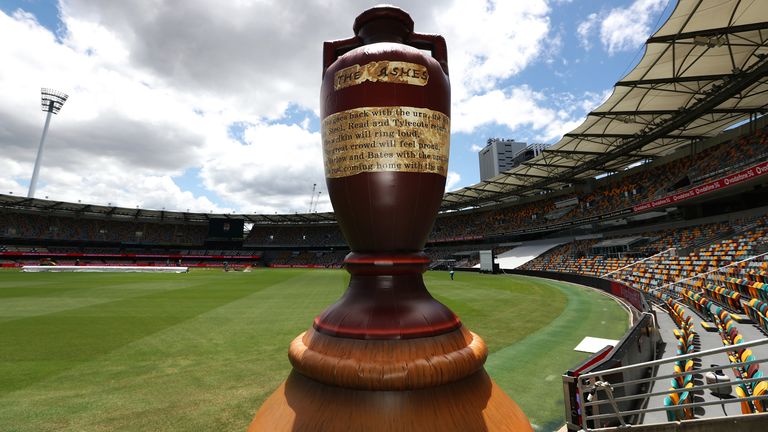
pixel 312 197
pixel 52 101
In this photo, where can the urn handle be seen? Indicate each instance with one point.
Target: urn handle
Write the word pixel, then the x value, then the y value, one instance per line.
pixel 433 43
pixel 335 49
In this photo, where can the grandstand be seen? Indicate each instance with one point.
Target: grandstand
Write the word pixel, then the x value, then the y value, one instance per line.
pixel 32 229
pixel 658 198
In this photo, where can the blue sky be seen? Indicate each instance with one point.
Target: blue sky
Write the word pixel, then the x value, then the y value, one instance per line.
pixel 178 108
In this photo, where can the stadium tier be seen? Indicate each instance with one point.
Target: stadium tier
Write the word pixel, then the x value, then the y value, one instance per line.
pixel 725 174
pixel 707 278
pixel 658 199
pixel 683 239
pixel 659 236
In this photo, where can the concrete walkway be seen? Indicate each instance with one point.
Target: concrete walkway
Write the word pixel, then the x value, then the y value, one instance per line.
pixel 703 341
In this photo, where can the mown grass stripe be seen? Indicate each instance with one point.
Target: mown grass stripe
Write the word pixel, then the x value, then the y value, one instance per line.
pixel 36 347
pixel 206 373
pixel 530 370
pixel 205 357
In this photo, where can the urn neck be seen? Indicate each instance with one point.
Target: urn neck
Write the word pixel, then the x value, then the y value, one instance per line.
pixel 383 30
pixel 383 24
pixel 386 299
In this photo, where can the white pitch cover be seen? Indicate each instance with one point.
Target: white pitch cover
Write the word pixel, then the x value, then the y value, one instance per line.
pixel 103 269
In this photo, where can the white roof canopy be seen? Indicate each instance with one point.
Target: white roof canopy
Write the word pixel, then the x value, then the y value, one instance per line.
pixel 704 70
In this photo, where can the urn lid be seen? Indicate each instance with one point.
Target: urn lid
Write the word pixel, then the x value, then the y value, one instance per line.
pixel 383 22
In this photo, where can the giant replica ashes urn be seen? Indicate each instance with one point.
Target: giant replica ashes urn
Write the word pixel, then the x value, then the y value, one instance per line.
pixel 387 356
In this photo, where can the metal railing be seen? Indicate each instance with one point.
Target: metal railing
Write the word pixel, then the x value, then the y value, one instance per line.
pixel 673 285
pixel 638 262
pixel 591 386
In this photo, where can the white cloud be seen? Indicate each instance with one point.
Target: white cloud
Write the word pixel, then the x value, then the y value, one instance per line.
pixel 593 100
pixel 125 131
pixel 553 48
pixel 146 191
pixel 625 29
pixel 585 28
pixel 476 148
pixel 11 171
pixel 452 180
pixel 506 36
pixel 514 35
pixel 154 89
pixel 273 170
pixel 521 107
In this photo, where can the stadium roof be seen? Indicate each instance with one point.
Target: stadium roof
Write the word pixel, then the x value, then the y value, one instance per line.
pixel 704 70
pixel 12 202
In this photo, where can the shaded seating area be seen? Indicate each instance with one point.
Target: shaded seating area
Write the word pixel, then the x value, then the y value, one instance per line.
pixel 698 302
pixel 747 287
pixel 717 279
pixel 743 364
pixel 757 311
pixel 680 393
pixel 732 299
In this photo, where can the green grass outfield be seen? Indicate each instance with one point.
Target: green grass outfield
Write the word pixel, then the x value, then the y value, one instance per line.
pixel 201 351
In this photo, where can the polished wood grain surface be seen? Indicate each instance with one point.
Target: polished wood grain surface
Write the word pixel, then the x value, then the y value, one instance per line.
pixel 387 356
pixel 474 403
pixel 388 364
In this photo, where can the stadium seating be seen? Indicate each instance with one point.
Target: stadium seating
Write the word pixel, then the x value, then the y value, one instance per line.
pixel 761 389
pixel 678 399
pixel 636 186
pixel 49 227
pixel 757 311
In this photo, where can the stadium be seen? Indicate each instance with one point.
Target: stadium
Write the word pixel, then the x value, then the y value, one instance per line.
pixel 643 231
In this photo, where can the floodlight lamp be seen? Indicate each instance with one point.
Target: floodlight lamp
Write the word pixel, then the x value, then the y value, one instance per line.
pixel 709 41
pixel 52 100
pixel 700 40
pixel 719 41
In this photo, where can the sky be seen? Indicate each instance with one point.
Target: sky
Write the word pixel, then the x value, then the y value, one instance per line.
pixel 213 106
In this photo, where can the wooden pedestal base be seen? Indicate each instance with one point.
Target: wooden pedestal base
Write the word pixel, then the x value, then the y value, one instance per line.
pixel 460 396
pixel 474 403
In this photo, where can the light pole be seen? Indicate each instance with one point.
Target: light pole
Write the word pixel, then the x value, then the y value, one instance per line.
pixel 52 101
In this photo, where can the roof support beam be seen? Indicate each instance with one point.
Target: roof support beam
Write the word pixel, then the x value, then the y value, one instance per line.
pixel 575 152
pixel 530 175
pixel 592 153
pixel 704 105
pixel 535 176
pixel 639 113
pixel 497 183
pixel 458 193
pixel 604 135
pixel 486 194
pixel 678 37
pixel 547 165
pixel 701 107
pixel 477 189
pixel 672 80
